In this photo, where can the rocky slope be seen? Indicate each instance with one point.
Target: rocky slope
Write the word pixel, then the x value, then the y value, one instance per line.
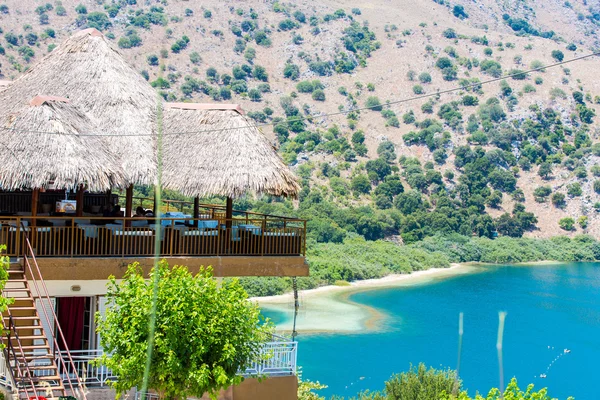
pixel 213 51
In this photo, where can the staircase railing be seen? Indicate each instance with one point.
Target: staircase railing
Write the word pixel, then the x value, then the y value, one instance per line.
pixel 32 269
pixel 24 375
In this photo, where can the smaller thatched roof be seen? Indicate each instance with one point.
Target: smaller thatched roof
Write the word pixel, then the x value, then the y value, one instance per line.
pixel 213 149
pixel 41 144
pixel 88 70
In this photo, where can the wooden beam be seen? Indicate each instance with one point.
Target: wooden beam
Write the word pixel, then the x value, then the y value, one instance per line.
pixel 228 222
pixel 79 199
pixel 108 197
pixel 35 199
pixel 129 201
pixel 196 210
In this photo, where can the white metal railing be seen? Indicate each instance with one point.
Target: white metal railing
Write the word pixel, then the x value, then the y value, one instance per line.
pixel 89 373
pixel 6 380
pixel 278 358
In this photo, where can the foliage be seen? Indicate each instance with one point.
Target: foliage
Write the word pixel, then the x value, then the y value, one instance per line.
pixel 205 331
pixel 567 223
pixel 4 301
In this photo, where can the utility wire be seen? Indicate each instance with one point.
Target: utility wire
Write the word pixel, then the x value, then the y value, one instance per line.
pixel 321 116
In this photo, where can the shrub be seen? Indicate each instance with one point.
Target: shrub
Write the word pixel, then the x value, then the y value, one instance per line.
pixel 418 89
pixel 373 103
pixel 558 200
pixel 425 77
pixel 291 71
pixel 260 73
pixel 81 9
pixel 449 33
pixel 557 55
pixel 597 186
pixel 207 14
pixel 195 58
pixel 459 12
pixel 255 95
pixel 318 95
pixel 567 224
pixel 582 221
pixel 541 193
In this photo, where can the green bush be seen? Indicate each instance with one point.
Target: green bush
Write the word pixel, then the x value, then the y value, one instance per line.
pixel 567 223
pixel 373 103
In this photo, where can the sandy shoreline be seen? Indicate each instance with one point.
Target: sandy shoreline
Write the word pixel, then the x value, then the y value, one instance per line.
pixel 386 281
pixel 329 309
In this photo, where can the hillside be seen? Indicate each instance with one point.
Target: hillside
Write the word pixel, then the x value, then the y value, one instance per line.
pixel 486 157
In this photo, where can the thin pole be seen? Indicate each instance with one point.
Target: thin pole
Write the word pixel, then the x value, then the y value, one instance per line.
pixel 460 340
pixel 501 317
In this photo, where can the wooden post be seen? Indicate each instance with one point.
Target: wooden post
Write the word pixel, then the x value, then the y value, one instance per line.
pixel 196 210
pixel 79 199
pixel 228 224
pixel 128 204
pixel 107 201
pixel 35 197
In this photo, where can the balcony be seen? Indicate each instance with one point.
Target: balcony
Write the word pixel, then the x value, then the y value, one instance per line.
pixel 248 244
pixel 278 360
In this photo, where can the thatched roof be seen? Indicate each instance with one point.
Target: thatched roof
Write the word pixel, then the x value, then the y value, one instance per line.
pixel 97 80
pixel 87 70
pixel 41 143
pixel 230 159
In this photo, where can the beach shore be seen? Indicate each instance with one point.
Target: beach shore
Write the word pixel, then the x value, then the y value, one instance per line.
pixel 329 308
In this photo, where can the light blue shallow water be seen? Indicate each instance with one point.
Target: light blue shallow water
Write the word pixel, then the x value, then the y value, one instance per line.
pixel 552 305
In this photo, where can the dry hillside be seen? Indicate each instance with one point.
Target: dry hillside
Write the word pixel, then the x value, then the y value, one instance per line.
pixel 192 50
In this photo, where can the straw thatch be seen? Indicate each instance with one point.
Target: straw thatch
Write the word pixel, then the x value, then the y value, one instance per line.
pixel 87 70
pixel 93 75
pixel 32 158
pixel 231 159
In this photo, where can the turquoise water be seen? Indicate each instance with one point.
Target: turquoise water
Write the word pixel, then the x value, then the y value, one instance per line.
pixel 556 306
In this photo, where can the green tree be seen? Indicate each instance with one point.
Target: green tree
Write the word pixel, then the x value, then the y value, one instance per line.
pixel 360 184
pixel 206 332
pixel 545 170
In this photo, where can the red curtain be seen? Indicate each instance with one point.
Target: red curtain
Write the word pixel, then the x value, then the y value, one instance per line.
pixel 70 319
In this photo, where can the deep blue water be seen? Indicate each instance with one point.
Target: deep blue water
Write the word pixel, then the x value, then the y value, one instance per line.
pixel 555 305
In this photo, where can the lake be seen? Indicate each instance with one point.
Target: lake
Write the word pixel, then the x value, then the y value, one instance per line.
pixel 549 308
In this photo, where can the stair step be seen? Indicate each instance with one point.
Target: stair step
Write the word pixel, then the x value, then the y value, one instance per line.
pixel 34 337
pixel 35 347
pixel 17 308
pixel 32 317
pixel 25 289
pixel 22 327
pixel 42 367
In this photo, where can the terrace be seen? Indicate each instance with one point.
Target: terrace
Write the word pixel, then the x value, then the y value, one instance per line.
pixel 188 233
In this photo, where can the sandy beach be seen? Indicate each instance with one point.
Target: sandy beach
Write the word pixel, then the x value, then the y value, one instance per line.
pixel 329 309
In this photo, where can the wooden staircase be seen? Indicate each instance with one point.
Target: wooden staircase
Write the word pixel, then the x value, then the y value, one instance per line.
pixel 30 355
pixel 36 365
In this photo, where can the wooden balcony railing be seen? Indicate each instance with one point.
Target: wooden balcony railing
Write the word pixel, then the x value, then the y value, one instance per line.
pixel 210 235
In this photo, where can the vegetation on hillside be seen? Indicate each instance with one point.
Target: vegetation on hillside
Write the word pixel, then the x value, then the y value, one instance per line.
pixel 357 258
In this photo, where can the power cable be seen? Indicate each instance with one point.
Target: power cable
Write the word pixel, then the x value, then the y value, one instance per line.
pixel 344 112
